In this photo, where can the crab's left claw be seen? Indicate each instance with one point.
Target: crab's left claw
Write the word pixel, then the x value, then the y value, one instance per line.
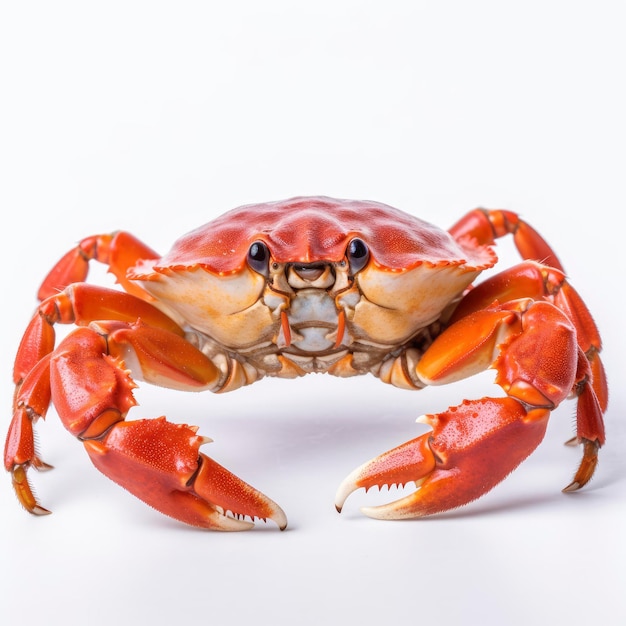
pixel 471 449
pixel 159 463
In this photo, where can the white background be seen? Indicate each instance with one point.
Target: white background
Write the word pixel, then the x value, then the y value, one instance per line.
pixel 155 117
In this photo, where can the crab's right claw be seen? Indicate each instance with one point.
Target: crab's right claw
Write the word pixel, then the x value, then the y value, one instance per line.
pixel 471 449
pixel 159 463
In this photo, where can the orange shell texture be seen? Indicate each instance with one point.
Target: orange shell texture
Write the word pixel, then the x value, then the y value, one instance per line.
pixel 311 229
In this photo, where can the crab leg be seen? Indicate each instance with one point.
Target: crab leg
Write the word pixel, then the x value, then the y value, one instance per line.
pixel 541 282
pixel 472 447
pixel 119 250
pixel 485 226
pixel 31 402
pixel 80 304
pixel 157 461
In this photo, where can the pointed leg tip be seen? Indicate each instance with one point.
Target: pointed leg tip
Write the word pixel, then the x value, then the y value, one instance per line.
pixel 39 510
pixel 587 465
pixel 42 466
pixel 24 492
pixel 572 487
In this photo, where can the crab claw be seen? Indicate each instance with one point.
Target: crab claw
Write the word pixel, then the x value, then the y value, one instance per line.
pixel 159 462
pixel 471 449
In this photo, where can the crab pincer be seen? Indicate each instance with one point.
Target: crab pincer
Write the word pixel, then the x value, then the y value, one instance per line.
pixel 160 463
pixel 471 448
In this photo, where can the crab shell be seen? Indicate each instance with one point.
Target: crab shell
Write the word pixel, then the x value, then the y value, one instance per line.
pixel 413 272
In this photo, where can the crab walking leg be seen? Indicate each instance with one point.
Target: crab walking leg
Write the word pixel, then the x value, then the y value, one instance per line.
pixel 472 447
pixel 484 226
pixel 541 282
pixel 31 402
pixel 119 251
pixel 80 304
pixel 157 461
pixel 545 280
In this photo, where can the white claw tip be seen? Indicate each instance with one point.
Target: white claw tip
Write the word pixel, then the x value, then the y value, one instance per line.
pixel 347 486
pixel 279 518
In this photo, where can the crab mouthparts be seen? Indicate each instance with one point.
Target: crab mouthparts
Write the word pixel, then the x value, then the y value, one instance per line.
pixel 309 271
pixel 319 275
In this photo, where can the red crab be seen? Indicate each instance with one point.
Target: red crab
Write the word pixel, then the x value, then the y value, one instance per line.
pixel 309 285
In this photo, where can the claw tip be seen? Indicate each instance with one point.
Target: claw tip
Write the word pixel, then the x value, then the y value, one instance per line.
pixel 278 517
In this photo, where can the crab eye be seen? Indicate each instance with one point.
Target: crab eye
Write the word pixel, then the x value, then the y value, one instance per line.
pixel 258 257
pixel 358 255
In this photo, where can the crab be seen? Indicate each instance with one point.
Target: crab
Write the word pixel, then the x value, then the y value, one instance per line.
pixel 309 284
